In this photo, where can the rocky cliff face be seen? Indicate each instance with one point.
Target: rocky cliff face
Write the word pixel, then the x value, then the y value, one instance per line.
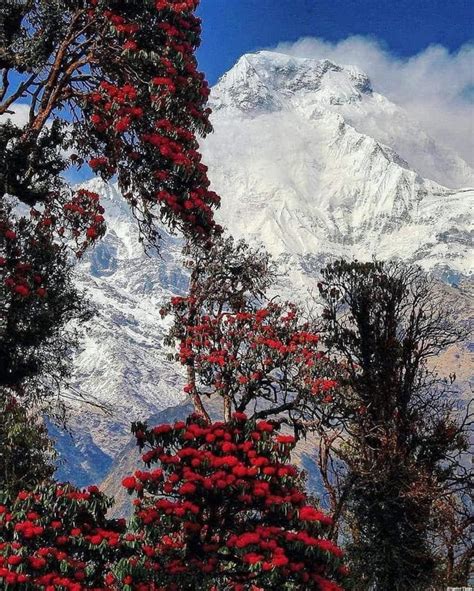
pixel 310 161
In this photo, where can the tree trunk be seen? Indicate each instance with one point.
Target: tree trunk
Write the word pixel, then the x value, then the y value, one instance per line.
pixel 227 408
pixel 197 402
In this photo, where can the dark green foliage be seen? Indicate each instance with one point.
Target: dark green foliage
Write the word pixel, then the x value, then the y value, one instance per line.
pixel 31 170
pixel 403 436
pixel 26 452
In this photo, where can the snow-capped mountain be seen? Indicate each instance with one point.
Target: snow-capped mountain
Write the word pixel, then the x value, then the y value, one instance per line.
pixel 296 169
pixel 311 162
pixel 268 81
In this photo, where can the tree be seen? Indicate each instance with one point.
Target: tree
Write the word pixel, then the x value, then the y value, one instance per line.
pixel 225 510
pixel 113 83
pixel 41 313
pixel 27 455
pixel 227 276
pixel 395 425
pixel 256 355
pixel 39 301
pixel 123 73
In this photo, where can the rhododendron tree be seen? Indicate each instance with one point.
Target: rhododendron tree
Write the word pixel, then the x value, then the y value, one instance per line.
pixel 265 361
pixel 220 507
pixel 41 311
pixel 58 538
pixel 109 82
pixel 259 356
pixel 38 299
pixel 227 276
pixel 123 72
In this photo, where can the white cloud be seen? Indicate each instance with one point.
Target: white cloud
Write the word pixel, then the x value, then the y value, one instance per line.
pixel 18 114
pixel 435 87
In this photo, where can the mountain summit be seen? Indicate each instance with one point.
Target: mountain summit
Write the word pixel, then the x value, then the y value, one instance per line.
pixel 268 81
pixel 298 170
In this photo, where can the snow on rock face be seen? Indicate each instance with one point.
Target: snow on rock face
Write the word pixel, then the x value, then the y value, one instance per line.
pixel 297 173
pixel 122 362
pixel 268 81
pixel 311 162
pixel 320 188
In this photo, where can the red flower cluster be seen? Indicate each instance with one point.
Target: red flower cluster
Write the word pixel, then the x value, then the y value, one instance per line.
pixel 83 213
pixel 57 538
pixel 322 385
pixel 78 218
pixel 226 510
pixel 144 115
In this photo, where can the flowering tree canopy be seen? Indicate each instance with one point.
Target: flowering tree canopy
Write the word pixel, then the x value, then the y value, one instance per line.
pixel 113 83
pixel 124 73
pixel 38 299
pixel 259 356
pixel 225 510
pixel 266 360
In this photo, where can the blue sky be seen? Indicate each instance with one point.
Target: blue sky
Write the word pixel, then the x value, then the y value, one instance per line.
pixel 404 27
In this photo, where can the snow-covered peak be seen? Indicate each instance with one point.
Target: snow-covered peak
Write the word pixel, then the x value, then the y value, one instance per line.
pixel 268 80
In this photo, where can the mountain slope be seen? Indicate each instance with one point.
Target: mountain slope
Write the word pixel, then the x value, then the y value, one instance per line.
pixel 122 363
pixel 309 161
